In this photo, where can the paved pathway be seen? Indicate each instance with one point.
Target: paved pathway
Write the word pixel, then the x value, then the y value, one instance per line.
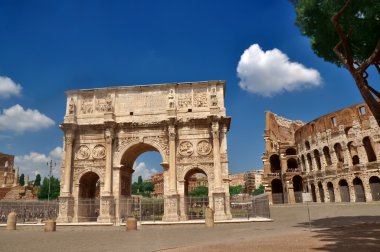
pixel 335 227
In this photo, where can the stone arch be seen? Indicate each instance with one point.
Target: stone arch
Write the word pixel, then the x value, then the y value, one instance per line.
pixel 313 192
pixel 89 193
pixel 307 145
pixel 330 189
pixel 309 161
pixel 297 187
pixel 359 190
pixel 189 174
pixel 368 146
pixel 353 153
pixel 202 168
pixel 317 159
pixel 155 144
pixel 277 191
pixel 321 191
pixel 291 164
pixel 127 159
pixel 374 184
pixel 326 153
pixel 339 152
pixel 290 151
pixel 303 162
pixel 344 190
pixel 275 163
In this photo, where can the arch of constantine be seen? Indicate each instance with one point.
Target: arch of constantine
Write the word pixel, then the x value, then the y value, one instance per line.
pixel 105 130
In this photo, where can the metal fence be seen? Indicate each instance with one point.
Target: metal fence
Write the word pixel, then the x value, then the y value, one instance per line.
pixel 29 211
pixel 143 209
pixel 251 206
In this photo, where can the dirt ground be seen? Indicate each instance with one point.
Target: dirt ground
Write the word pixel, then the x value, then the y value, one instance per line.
pixel 334 227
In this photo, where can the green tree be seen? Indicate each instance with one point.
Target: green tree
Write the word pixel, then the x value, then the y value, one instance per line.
pixel 142 188
pixel 259 190
pixel 22 179
pixel 54 188
pixel 346 33
pixel 199 191
pixel 37 181
pixel 234 190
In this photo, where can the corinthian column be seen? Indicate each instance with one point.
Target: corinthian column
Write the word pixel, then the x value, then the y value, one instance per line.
pixel 172 164
pixel 69 139
pixel 108 135
pixel 217 167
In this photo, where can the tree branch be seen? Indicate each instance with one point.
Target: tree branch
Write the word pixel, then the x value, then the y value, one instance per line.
pixel 343 37
pixel 372 59
pixel 374 91
pixel 339 54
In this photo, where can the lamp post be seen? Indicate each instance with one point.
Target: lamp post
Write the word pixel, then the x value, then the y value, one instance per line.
pixel 50 165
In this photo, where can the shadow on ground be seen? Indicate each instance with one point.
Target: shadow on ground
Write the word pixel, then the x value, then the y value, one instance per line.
pixel 347 233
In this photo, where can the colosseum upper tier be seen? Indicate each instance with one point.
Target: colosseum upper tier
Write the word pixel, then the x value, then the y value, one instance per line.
pixel 334 158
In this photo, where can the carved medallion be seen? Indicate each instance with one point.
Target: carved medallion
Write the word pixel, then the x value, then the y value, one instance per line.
pixel 185 148
pixel 204 148
pixel 99 152
pixel 83 152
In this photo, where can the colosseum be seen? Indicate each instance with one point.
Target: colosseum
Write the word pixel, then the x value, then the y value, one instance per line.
pixel 334 158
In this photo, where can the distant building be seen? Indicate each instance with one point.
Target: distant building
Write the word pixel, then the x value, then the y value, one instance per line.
pixel 237 179
pixel 8 176
pixel 158 182
pixel 252 179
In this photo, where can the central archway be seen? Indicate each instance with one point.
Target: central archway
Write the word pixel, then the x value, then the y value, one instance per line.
pixel 134 197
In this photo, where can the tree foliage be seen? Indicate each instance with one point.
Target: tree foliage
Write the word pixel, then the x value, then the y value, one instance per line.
pixel 142 188
pixel 37 181
pixel 259 190
pixel 234 190
pixel 54 188
pixel 346 33
pixel 22 179
pixel 199 191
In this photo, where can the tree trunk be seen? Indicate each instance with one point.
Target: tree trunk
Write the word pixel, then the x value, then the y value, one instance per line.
pixel 371 101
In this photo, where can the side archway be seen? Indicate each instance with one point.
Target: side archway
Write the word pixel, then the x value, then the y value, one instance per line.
pixel 374 183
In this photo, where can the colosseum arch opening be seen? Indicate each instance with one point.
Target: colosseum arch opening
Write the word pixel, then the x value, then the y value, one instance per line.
pixel 330 189
pixel 368 146
pixel 344 191
pixel 321 192
pixel 105 130
pixel 317 160
pixel 326 153
pixel 277 192
pixel 359 190
pixel 298 188
pixel 374 183
pixel 275 163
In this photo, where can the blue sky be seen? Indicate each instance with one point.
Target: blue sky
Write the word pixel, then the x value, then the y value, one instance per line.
pixel 48 47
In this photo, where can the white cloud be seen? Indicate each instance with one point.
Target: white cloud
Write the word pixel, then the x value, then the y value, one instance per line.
pixel 36 163
pixel 56 153
pixel 270 72
pixel 143 171
pixel 8 87
pixel 19 120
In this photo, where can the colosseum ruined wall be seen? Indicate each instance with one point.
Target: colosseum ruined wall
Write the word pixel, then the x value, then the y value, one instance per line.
pixel 335 157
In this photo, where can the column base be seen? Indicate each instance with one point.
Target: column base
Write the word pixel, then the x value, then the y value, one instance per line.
pixel 219 206
pixel 66 209
pixel 171 211
pixel 107 209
